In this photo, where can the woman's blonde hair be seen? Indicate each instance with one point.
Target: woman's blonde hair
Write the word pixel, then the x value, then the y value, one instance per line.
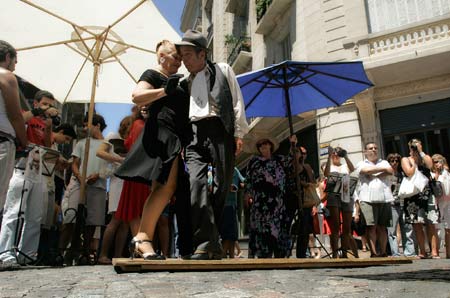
pixel 440 158
pixel 164 46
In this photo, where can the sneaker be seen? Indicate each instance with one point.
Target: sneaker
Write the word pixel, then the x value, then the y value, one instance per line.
pixel 9 264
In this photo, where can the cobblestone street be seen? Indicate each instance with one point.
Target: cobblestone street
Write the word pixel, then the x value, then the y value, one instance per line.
pixel 419 279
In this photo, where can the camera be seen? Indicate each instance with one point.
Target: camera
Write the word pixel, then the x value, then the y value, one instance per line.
pixel 340 152
pixel 56 120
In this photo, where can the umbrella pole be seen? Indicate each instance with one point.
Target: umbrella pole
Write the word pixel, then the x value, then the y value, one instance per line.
pixel 291 130
pixel 88 138
pixel 81 210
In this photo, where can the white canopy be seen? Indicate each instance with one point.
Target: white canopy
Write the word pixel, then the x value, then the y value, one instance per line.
pixel 54 38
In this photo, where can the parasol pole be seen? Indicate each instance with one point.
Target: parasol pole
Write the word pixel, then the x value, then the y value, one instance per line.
pixel 287 99
pixel 90 117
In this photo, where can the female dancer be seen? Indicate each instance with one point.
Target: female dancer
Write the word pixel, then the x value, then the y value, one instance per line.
pixel 161 139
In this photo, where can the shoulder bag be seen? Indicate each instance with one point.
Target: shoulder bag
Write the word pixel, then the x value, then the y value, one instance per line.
pixel 310 198
pixel 411 186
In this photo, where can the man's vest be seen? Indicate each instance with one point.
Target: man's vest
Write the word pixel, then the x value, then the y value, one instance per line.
pixel 220 92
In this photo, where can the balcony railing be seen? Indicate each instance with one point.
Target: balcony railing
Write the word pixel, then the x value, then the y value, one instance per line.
pixel 391 41
pixel 241 44
pixel 421 35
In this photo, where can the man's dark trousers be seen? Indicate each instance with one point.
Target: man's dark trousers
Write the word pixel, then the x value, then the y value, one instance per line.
pixel 211 143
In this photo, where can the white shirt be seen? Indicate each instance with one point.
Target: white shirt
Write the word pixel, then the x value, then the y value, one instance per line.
pixel 94 163
pixel 202 105
pixel 372 188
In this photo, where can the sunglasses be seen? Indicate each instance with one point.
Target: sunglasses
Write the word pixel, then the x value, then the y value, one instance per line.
pixel 394 160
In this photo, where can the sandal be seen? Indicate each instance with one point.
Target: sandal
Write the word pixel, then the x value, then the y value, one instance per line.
pixel 135 252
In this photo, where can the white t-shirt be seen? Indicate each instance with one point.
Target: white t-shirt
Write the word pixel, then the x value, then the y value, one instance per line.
pixel 94 164
pixel 374 189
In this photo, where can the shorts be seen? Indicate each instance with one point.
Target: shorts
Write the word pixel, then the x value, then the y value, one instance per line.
pixel 95 204
pixel 334 200
pixel 377 213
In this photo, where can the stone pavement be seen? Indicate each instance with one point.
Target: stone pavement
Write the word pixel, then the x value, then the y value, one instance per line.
pixel 422 278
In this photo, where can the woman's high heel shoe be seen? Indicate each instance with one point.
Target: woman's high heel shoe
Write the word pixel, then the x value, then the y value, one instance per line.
pixel 135 252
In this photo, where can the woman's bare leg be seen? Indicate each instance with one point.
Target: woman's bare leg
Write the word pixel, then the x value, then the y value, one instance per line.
pixel 154 206
pixel 163 234
pixel 420 236
pixel 121 239
pixel 434 239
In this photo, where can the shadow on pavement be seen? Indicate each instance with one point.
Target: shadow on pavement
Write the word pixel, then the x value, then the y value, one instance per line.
pixel 437 275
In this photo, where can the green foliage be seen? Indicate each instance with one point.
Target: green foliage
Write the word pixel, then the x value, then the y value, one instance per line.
pixel 231 40
pixel 261 8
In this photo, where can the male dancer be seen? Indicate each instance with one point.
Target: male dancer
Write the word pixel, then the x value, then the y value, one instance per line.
pixel 218 124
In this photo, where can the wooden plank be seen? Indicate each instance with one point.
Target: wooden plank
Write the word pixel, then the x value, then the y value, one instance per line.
pixel 138 265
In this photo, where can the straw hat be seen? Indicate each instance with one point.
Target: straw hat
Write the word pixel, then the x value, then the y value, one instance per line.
pixel 251 142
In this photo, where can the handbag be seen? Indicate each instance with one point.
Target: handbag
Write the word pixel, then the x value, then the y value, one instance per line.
pixel 310 196
pixel 411 186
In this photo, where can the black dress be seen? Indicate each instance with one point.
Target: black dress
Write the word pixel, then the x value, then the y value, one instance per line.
pixel 163 137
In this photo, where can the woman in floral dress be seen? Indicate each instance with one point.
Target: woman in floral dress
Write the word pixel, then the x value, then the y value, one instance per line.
pixel 267 182
pixel 420 209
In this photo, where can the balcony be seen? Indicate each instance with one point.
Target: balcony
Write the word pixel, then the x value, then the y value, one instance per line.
pixel 267 12
pixel 240 53
pixel 405 38
pixel 238 7
pixel 407 53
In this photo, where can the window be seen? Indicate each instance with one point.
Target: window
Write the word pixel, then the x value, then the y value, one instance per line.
pixel 388 14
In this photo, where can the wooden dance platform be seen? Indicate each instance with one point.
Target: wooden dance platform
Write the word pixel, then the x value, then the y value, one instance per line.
pixel 122 265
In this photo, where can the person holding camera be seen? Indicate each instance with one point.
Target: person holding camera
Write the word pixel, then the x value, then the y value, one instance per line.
pixel 29 190
pixel 420 210
pixel 41 119
pixel 340 204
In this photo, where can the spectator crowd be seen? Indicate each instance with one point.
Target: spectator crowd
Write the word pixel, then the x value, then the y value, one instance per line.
pixel 166 186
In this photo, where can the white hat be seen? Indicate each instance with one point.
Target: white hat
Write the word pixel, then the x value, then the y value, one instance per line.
pixel 251 142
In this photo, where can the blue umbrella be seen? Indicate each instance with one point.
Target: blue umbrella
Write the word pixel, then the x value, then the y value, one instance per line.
pixel 290 87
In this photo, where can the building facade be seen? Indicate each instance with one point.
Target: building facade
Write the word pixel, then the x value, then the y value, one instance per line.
pixel 404 45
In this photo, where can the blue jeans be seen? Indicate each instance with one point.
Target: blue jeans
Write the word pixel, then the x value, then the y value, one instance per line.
pixel 408 237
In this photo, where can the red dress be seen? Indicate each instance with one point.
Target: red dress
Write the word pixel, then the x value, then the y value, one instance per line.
pixel 134 194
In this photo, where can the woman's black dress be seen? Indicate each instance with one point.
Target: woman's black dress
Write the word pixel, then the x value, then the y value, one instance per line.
pixel 163 137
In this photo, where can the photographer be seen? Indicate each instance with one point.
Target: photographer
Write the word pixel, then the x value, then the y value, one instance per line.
pixel 340 202
pixel 420 209
pixel 41 118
